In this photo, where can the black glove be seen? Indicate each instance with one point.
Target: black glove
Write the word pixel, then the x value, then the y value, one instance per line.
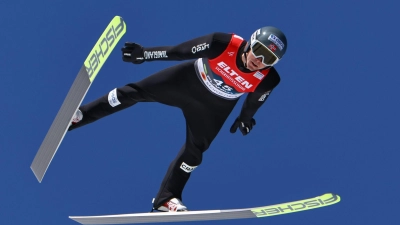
pixel 245 126
pixel 133 53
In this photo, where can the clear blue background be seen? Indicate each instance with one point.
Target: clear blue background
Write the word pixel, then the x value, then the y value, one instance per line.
pixel 332 125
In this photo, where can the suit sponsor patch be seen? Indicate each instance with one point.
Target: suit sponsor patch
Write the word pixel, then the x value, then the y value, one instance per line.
pixel 188 169
pixel 113 99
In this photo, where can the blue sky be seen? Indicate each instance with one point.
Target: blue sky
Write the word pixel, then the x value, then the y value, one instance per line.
pixel 330 126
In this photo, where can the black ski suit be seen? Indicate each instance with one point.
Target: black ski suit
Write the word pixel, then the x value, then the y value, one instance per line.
pixel 181 86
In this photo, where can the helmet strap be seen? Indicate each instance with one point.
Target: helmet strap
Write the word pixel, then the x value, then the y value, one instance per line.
pixel 245 52
pixel 245 59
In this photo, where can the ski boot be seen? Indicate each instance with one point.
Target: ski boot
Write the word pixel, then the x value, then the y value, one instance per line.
pixel 172 205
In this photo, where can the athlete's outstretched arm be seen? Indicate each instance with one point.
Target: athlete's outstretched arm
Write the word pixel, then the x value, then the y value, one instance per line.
pixel 207 46
pixel 254 100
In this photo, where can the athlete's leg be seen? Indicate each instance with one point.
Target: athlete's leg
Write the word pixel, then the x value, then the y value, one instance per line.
pixel 202 126
pixel 164 86
pixel 116 100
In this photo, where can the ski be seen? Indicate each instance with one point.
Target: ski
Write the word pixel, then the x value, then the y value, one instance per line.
pixel 257 212
pixel 88 72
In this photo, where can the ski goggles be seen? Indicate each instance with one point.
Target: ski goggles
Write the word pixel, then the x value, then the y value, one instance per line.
pixel 259 50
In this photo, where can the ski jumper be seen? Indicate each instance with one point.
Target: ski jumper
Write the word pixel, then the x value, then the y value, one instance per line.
pixel 206 88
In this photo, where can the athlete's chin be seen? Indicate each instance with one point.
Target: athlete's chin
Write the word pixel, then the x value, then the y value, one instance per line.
pixel 252 68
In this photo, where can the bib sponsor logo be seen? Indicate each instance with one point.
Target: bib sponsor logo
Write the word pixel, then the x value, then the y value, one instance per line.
pixel 188 169
pixel 214 83
pixel 155 54
pixel 113 99
pixel 233 76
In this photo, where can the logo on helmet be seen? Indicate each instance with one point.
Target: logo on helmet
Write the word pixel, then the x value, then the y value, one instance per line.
pixel 254 35
pixel 276 41
pixel 272 47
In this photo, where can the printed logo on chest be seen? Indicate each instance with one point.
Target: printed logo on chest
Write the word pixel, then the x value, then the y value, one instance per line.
pixel 233 76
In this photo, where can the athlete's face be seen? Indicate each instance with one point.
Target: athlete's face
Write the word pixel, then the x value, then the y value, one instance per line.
pixel 253 63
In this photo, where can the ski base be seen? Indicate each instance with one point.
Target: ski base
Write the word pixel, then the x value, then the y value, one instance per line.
pixel 257 212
